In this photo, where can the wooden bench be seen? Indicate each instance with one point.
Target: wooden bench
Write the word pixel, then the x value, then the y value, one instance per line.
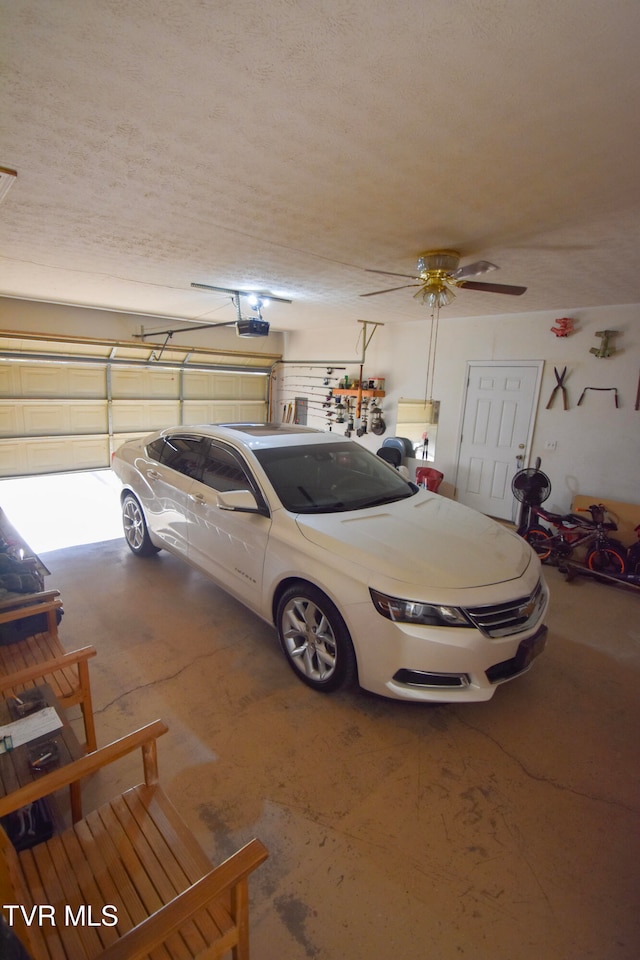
pixel 133 858
pixel 41 656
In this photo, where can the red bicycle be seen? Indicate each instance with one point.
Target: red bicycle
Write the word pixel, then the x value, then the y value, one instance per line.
pixel 531 487
pixel 604 554
pixel 633 555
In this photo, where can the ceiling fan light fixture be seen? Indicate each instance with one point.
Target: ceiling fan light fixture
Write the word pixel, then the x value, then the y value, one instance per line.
pixel 435 293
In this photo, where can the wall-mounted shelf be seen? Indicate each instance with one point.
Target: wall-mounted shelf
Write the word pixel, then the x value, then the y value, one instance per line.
pixel 356 392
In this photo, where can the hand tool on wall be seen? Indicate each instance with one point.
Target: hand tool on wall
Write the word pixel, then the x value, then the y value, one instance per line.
pixel 615 393
pixel 605 349
pixel 559 386
pixel 563 327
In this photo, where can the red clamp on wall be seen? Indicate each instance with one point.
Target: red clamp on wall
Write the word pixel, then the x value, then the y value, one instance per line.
pixel 564 326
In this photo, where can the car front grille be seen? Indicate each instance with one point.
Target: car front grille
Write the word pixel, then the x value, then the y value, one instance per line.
pixel 502 619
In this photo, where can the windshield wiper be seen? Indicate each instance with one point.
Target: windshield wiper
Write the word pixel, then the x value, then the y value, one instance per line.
pixel 387 498
pixel 307 496
pixel 336 507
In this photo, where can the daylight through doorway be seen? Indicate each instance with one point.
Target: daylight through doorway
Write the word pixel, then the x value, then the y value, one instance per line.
pixel 63 509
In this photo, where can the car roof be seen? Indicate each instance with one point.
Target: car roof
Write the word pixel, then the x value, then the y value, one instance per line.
pixel 262 435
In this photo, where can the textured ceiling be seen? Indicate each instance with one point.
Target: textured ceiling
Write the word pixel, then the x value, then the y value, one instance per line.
pixel 290 145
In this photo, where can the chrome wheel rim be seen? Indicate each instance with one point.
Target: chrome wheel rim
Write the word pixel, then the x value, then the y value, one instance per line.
pixel 133 524
pixel 309 639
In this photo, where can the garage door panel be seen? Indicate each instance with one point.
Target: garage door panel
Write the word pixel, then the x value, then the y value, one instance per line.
pixel 51 380
pixel 252 412
pixel 229 412
pixel 29 380
pixel 205 385
pixel 27 457
pixel 252 388
pixel 84 382
pixel 62 418
pixel 141 383
pixel 36 418
pixel 133 416
pixel 9 417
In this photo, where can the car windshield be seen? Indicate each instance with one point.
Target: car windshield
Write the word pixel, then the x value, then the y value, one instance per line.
pixel 331 477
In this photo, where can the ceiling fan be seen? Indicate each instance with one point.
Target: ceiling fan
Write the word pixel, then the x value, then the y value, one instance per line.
pixel 439 272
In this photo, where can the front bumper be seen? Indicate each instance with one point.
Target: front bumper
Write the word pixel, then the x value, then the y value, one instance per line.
pixel 420 680
pixel 441 664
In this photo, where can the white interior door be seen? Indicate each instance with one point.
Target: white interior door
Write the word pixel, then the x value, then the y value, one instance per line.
pixel 496 433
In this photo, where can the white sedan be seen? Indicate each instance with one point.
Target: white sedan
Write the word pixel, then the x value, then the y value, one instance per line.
pixel 366 576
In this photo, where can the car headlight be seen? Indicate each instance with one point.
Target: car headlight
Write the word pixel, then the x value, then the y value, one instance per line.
pixel 411 611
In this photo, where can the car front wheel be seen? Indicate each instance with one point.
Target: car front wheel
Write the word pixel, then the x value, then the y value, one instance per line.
pixel 315 638
pixel 135 528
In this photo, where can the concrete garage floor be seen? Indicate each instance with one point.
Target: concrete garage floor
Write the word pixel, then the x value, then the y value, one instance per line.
pixel 500 831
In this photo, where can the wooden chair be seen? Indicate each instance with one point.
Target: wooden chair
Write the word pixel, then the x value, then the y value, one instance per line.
pixel 41 657
pixel 135 859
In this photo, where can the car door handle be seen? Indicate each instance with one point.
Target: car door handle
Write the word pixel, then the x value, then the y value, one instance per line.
pixel 197 497
pixel 153 475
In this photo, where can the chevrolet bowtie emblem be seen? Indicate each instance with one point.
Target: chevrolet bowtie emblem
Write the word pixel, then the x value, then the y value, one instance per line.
pixel 527 609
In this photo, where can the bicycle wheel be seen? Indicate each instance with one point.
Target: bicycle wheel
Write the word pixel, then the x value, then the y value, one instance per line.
pixel 539 539
pixel 608 558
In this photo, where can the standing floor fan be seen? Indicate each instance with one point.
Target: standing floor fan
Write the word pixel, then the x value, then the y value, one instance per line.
pixel 530 487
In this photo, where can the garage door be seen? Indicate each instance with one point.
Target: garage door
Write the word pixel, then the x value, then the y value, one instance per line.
pixel 65 405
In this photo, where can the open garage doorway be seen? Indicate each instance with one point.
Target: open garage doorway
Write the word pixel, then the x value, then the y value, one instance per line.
pixel 63 509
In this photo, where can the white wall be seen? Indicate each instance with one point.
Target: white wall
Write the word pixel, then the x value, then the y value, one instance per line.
pixel 597 446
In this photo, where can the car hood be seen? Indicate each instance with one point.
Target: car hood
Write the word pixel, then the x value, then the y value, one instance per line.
pixel 424 540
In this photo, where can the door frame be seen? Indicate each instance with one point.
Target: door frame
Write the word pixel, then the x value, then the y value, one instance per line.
pixel 534 364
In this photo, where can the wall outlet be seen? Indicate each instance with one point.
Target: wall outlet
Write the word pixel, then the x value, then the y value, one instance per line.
pixel 550 444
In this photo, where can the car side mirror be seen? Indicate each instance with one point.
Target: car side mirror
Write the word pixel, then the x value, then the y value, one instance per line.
pixel 242 501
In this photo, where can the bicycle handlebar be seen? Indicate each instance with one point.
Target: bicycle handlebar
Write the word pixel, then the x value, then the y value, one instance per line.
pixel 598 512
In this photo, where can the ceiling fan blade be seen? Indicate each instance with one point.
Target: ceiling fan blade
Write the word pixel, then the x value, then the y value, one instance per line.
pixel 387 274
pixel 390 290
pixel 474 269
pixel 492 287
